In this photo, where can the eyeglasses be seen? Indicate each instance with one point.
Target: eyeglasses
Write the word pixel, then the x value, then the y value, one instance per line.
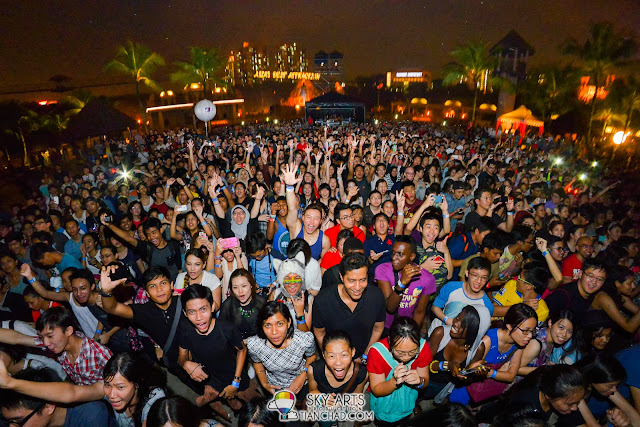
pixel 23 421
pixel 590 276
pixel 411 353
pixel 347 216
pixel 530 332
pixel 475 276
pixel 521 279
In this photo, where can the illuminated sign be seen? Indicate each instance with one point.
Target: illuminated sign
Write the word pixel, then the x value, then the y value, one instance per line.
pixel 286 75
pixel 408 74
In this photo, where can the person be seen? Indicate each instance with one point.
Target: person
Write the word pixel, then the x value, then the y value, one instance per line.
pixel 578 296
pixel 281 354
pixel 255 413
pixel 405 285
pixel 213 353
pixel 513 255
pixel 464 245
pixel 352 306
pixel 491 248
pixel 23 410
pixel 553 389
pixel 82 358
pixel 226 261
pixel 44 256
pixel 485 207
pixel 36 303
pixel 378 244
pixel 333 257
pixel 447 415
pixel 572 265
pixel 603 376
pixel 499 356
pixel 629 359
pixel 195 262
pixel 526 288
pixel 244 304
pixel 398 370
pixel 454 296
pixel 291 288
pixel 434 256
pixel 616 298
pixel 452 349
pixel 276 228
pixel 176 411
pixel 558 342
pixel 344 217
pixel 336 373
pixel 331 277
pixel 157 317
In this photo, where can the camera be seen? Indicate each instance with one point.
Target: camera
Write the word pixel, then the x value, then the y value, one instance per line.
pixel 438 198
pixel 108 219
pixel 501 199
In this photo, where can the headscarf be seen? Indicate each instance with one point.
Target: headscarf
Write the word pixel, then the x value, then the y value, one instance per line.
pixel 240 230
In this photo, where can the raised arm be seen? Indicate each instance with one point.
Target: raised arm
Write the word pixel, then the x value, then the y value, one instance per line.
pixel 400 201
pixel 192 161
pixel 119 232
pixel 213 193
pixel 173 229
pixel 186 188
pixel 415 219
pixel 551 263
pixel 289 179
pixel 109 303
pixel 255 209
pixel 198 210
pixel 62 296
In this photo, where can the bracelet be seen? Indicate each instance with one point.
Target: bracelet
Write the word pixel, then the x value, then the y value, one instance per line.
pixel 441 365
pixel 83 259
pixel 272 216
pixel 421 383
pixel 445 320
pixel 431 367
pixel 509 213
pixel 290 188
pixel 364 357
pixel 300 317
pixel 545 253
pixel 98 331
pixel 300 322
pixel 445 216
pixel 30 281
pixel 399 291
pixel 214 200
pixel 203 223
pixel 236 378
pixel 194 369
pixel 235 383
pixel 104 294
pixel 217 256
pixel 493 374
pixel 217 265
pixel 305 369
pixel 400 213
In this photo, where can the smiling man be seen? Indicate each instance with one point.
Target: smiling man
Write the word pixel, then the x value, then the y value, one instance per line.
pixel 352 306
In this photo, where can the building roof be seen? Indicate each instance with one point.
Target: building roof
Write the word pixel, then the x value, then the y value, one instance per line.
pixel 98 118
pixel 513 40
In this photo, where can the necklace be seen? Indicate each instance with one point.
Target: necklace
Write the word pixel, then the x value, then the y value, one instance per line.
pixel 246 312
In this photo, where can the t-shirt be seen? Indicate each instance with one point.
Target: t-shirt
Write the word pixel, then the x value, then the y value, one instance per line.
pixel 68 261
pixel 452 299
pixel 90 414
pixel 495 267
pixel 568 296
pixel 377 365
pixel 123 420
pixel 571 267
pixel 410 209
pixel 472 221
pixel 161 257
pixel 332 234
pixel 508 264
pixel 423 254
pixel 509 295
pixel 209 280
pixel 423 285
pixel 330 259
pixel 461 247
pixel 331 313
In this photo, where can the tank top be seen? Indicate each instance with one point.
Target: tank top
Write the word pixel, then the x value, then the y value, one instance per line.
pixel 316 248
pixel 281 238
pixel 320 376
pixel 443 377
pixel 86 319
pixel 494 355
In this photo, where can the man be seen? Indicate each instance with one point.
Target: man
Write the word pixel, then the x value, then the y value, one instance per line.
pixel 14 243
pixel 378 246
pixel 276 228
pixel 363 182
pixel 408 176
pixel 46 257
pixel 333 258
pixel 344 218
pixel 82 359
pixel 490 249
pixel 36 303
pixel 155 317
pixel 485 207
pixel 309 227
pixel 526 288
pixel 352 306
pixel 72 247
pixel 467 244
pixel 22 410
pixel 572 265
pixel 156 251
pixel 93 209
pixel 44 222
pixel 331 277
pixel 260 260
pixel 513 255
pixel 456 202
pixel 454 296
pixel 405 285
pixel 411 203
pixel 488 173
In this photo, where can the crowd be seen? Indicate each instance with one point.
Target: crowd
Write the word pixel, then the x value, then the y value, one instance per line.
pixel 405 263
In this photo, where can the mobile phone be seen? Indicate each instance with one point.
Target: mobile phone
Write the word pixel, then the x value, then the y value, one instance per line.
pixel 55 199
pixel 501 199
pixel 466 372
pixel 230 242
pixel 182 208
pixel 438 258
pixel 438 199
pixel 108 219
pixel 202 235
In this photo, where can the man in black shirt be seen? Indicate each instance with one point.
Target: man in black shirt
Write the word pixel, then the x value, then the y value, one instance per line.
pixel 578 296
pixel 352 306
pixel 485 207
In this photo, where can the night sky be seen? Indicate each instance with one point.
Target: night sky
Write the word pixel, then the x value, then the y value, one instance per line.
pixel 76 38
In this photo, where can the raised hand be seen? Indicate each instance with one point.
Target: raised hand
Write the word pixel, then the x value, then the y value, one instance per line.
pixel 289 175
pixel 442 245
pixel 541 244
pixel 106 284
pixel 25 271
pixel 259 192
pixel 409 272
pixel 400 200
pixel 190 145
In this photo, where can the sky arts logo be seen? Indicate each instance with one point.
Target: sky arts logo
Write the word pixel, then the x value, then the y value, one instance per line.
pixel 321 407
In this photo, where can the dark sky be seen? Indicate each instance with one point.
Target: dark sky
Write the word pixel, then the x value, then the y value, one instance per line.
pixel 76 38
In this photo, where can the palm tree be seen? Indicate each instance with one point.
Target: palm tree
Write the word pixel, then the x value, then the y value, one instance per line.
pixel 54 123
pixel 76 101
pixel 28 122
pixel 474 66
pixel 549 90
pixel 138 62
pixel 604 52
pixel 205 67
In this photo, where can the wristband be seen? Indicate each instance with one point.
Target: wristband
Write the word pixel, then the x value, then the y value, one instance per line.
pixel 300 322
pixel 217 256
pixel 30 281
pixel 364 357
pixel 493 374
pixel 98 331
pixel 217 265
pixel 545 253
pixel 83 259
pixel 421 383
pixel 290 188
pixel 509 213
pixel 235 383
pixel 441 365
pixel 203 223
pixel 104 294
pixel 445 320
pixel 300 317
pixel 400 213
pixel 445 216
pixel 305 369
pixel 272 216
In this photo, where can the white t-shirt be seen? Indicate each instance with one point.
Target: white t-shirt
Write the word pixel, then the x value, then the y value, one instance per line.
pixel 209 280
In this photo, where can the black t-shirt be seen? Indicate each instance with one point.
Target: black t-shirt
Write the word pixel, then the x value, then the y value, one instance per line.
pixel 244 318
pixel 225 229
pixel 331 313
pixel 157 324
pixel 331 277
pixel 320 376
pixel 96 413
pixel 364 186
pixel 568 296
pixel 472 221
pixel 13 307
pixel 528 396
pixel 217 352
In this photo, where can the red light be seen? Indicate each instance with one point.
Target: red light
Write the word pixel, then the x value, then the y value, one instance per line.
pixel 42 102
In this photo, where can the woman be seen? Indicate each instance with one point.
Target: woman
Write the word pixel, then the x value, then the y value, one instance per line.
pixel 614 231
pixel 176 411
pixel 195 262
pixel 554 344
pixel 194 224
pixel 291 290
pixel 281 353
pixel 312 270
pixel 555 389
pixel 145 200
pixel 500 355
pixel 227 261
pixel 242 222
pixel 128 387
pixel 453 346
pixel 603 375
pixel 243 305
pixel 90 253
pixel 616 298
pixel 572 234
pixel 337 372
pixel 126 256
pixel 10 267
pixel 138 214
pixel 398 370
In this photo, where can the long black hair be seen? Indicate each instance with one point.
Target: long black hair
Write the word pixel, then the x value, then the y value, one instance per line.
pixel 270 309
pixel 575 343
pixel 598 369
pixel 175 410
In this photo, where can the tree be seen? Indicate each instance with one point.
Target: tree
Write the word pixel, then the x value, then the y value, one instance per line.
pixel 601 55
pixel 473 65
pixel 205 67
pixel 138 62
pixel 76 101
pixel 28 123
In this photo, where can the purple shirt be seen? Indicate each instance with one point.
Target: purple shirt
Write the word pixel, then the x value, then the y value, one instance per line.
pixel 425 284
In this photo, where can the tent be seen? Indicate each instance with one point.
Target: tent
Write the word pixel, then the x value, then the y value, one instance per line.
pixel 334 104
pixel 522 117
pixel 98 118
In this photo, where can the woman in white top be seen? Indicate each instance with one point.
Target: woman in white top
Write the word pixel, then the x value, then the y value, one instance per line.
pixel 195 261
pixel 226 261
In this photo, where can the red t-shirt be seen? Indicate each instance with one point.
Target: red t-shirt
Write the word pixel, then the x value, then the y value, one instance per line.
pixel 332 234
pixel 162 208
pixel 571 267
pixel 35 314
pixel 330 259
pixel 377 365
